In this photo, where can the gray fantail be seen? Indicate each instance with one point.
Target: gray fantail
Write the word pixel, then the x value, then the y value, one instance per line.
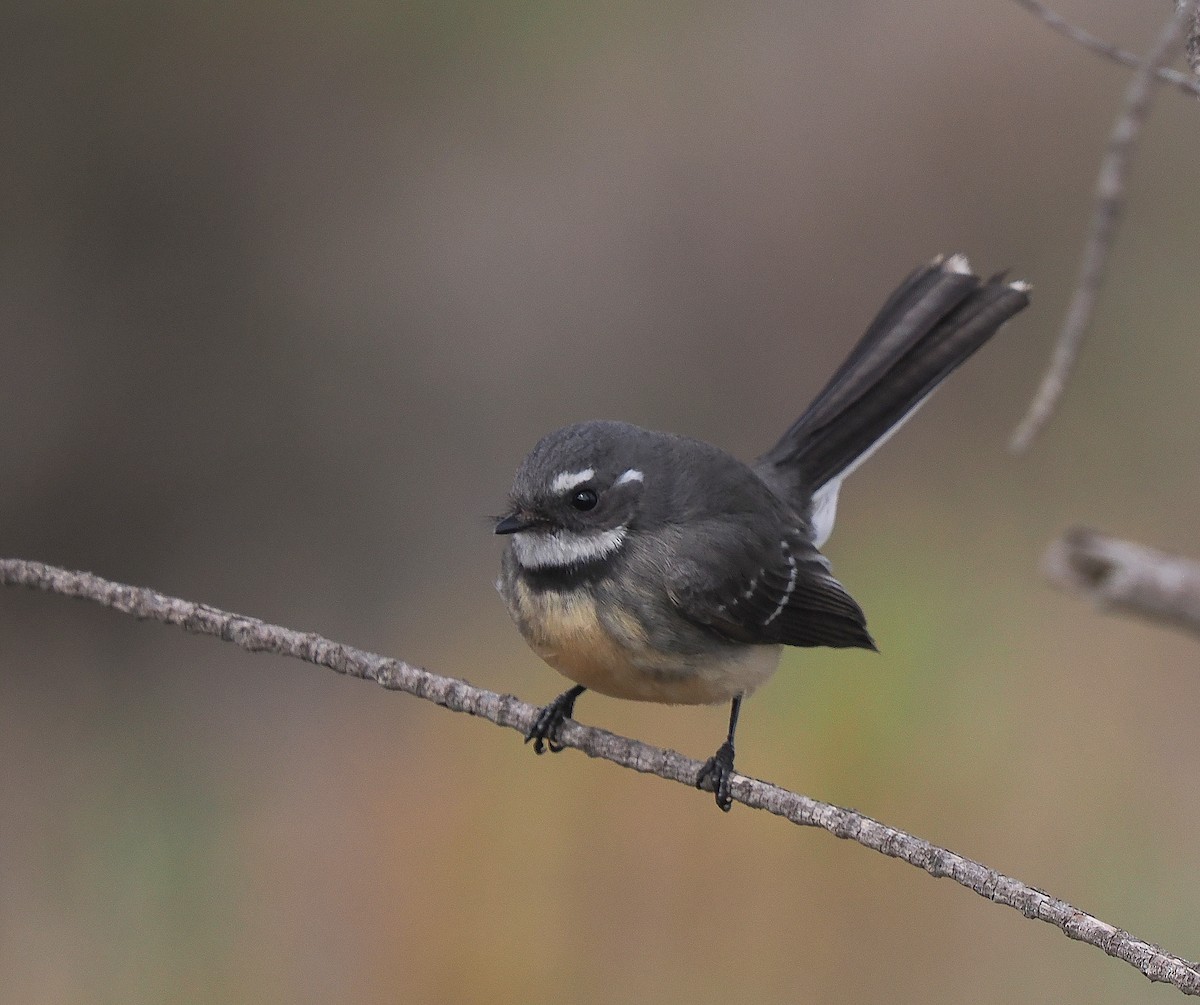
pixel 655 567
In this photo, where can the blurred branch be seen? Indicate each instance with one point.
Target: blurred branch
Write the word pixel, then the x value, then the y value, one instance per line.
pixel 1193 38
pixel 1123 576
pixel 506 710
pixel 1110 198
pixel 1114 52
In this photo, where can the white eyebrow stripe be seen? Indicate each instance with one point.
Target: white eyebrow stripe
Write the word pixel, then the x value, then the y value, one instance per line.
pixel 569 479
pixel 564 548
pixel 632 475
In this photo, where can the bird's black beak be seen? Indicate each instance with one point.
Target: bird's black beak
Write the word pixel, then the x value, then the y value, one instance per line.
pixel 514 522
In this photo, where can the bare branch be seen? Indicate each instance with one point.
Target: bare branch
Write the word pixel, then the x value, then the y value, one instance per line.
pixel 1114 52
pixel 1193 45
pixel 1193 37
pixel 1110 197
pixel 1124 576
pixel 506 710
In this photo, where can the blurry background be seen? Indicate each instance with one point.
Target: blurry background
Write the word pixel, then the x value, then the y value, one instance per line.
pixel 288 290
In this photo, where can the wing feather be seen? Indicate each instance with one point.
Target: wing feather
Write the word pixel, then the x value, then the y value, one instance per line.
pixel 783 595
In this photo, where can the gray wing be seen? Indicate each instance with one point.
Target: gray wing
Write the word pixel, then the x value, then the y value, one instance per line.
pixel 774 591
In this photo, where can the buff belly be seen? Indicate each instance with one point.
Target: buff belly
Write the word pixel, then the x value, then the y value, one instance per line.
pixel 610 654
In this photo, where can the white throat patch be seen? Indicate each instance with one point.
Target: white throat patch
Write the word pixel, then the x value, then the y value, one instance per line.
pixel 564 548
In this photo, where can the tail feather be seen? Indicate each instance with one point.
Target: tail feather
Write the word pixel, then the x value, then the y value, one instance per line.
pixel 937 318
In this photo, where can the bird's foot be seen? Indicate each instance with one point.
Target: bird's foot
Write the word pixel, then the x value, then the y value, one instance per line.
pixel 716 773
pixel 545 727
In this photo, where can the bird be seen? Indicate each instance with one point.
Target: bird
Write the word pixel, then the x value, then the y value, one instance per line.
pixel 655 567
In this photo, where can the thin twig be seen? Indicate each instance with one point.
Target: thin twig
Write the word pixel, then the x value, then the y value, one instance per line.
pixel 1110 197
pixel 1123 576
pixel 1105 48
pixel 506 710
pixel 1193 39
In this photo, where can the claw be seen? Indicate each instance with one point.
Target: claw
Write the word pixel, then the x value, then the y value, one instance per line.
pixel 716 774
pixel 545 727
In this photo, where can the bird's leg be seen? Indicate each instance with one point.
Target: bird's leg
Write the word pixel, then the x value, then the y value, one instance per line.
pixel 717 770
pixel 545 726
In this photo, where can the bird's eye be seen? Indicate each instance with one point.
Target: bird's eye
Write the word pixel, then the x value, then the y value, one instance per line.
pixel 584 499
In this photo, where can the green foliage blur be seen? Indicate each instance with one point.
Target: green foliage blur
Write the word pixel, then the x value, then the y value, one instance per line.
pixel 288 290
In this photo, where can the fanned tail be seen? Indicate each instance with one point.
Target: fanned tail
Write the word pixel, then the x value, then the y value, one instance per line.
pixel 937 318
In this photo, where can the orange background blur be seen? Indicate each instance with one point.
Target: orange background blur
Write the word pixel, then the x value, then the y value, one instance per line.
pixel 287 292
